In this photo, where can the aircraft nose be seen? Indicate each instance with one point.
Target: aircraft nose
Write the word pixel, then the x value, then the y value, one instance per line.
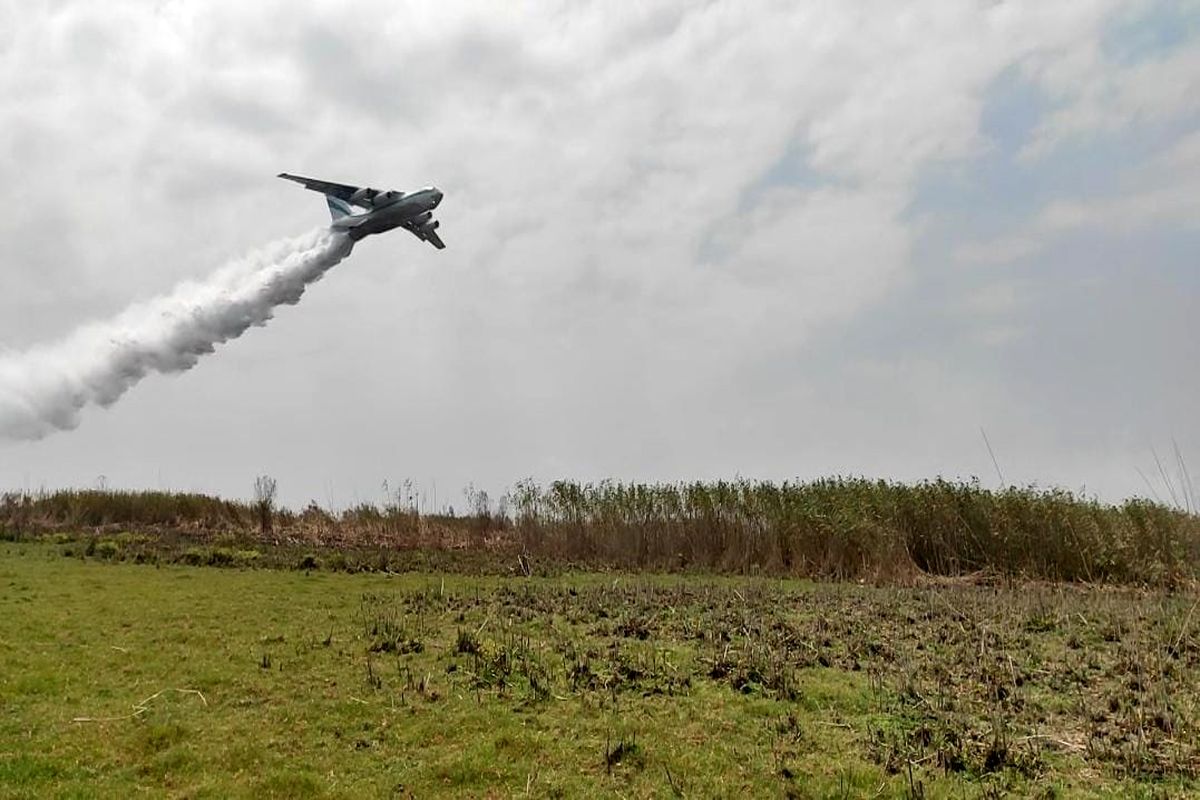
pixel 437 197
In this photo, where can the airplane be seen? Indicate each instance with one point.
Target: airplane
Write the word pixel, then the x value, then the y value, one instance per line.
pixel 382 210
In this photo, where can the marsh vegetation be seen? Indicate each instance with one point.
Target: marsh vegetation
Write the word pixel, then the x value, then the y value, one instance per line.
pixel 829 529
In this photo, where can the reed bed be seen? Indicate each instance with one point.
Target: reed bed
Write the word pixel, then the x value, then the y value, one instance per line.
pixel 837 528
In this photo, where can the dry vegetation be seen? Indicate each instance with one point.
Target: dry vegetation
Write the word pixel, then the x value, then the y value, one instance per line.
pixel 960 679
pixel 838 528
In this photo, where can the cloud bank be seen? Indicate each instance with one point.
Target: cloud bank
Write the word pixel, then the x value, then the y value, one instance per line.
pixel 683 240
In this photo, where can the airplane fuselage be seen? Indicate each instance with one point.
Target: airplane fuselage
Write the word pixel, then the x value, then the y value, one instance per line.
pixel 380 210
pixel 390 213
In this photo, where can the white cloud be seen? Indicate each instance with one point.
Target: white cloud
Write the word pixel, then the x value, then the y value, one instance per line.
pixel 1179 205
pixel 993 299
pixel 614 259
pixel 1163 193
pixel 1099 96
pixel 1003 250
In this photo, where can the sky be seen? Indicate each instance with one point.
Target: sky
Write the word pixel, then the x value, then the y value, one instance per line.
pixel 684 240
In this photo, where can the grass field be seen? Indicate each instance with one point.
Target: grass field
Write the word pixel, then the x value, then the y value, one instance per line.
pixel 119 679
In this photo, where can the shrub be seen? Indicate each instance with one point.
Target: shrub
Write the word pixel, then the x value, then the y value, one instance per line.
pixel 107 549
pixel 247 557
pixel 221 557
pixel 193 556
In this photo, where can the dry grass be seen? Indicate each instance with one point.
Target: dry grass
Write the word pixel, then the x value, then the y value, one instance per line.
pixel 836 528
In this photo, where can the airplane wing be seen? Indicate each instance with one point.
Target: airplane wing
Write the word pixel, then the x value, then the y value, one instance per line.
pixel 338 190
pixel 426 235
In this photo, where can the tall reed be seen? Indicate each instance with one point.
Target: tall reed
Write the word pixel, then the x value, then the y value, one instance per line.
pixel 835 528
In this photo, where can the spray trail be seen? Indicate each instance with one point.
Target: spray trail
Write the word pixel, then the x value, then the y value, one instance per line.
pixel 45 389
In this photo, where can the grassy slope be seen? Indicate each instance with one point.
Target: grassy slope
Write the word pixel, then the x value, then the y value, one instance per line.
pixel 567 669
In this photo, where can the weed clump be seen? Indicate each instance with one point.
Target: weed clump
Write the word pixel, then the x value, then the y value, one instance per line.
pixel 193 556
pixel 466 643
pixel 107 549
pixel 221 557
pixel 626 752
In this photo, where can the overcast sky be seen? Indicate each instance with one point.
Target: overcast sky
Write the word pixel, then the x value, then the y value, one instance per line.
pixel 684 240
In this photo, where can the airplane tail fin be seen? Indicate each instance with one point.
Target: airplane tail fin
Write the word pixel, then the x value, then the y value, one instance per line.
pixel 338 208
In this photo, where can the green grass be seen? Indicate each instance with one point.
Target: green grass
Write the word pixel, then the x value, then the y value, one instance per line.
pixel 338 685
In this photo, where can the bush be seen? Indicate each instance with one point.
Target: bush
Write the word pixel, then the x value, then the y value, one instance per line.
pixel 221 557
pixel 247 557
pixel 107 549
pixel 193 556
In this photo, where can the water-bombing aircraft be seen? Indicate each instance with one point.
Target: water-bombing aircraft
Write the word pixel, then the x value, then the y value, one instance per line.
pixel 381 210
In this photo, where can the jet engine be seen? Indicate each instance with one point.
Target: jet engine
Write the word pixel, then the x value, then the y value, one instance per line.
pixel 362 197
pixel 422 222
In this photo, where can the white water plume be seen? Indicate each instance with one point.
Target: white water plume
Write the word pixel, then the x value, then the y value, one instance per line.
pixel 44 389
